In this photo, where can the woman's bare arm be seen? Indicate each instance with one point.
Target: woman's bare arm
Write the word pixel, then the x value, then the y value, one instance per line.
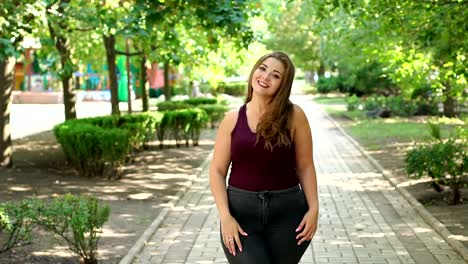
pixel 305 170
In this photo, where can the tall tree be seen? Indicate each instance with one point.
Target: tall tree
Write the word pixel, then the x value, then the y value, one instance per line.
pixel 167 32
pixel 18 19
pixel 402 25
pixel 59 15
pixel 292 28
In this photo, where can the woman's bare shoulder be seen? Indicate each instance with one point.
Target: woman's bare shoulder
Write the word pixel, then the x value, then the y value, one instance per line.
pixel 298 115
pixel 229 121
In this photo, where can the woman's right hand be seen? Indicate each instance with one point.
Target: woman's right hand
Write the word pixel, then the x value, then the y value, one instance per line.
pixel 230 231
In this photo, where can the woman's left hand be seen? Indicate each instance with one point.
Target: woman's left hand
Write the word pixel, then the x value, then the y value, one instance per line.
pixel 308 226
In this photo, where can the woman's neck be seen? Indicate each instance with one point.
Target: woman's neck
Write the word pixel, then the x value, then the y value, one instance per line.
pixel 258 104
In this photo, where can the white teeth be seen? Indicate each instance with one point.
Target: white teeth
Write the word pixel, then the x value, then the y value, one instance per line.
pixel 262 84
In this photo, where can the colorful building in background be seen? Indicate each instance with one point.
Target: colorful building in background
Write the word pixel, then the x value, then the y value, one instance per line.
pixel 32 86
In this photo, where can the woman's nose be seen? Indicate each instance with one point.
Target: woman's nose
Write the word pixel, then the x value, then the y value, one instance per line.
pixel 266 76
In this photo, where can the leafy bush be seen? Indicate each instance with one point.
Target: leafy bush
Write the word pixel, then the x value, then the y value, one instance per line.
pixel 395 104
pixel 330 84
pixel 233 88
pixel 200 101
pixel 400 107
pixel 352 102
pixel 78 221
pixel 179 90
pixel 426 108
pixel 215 112
pixel 365 79
pixel 325 85
pixel 16 223
pixel 141 126
pixel 172 105
pixel 372 103
pixel 92 149
pixel 182 124
pixel 184 104
pixel 442 161
pixel 206 88
pixel 99 144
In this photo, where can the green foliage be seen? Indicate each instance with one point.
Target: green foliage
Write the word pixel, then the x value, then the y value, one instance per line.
pixel 328 85
pixel 18 19
pixel 352 102
pixel 201 101
pixel 90 149
pixel 233 88
pixel 184 104
pixel 363 79
pixel 395 104
pixel 179 90
pixel 16 223
pixel 400 107
pixel 172 105
pixel 141 126
pixel 292 30
pixel 443 161
pixel 93 145
pixel 182 124
pixel 434 130
pixel 78 221
pixel 215 112
pixel 396 35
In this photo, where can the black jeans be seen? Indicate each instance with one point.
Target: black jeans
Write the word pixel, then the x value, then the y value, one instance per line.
pixel 270 219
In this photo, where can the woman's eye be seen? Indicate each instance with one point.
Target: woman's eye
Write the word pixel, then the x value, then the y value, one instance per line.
pixel 276 76
pixel 262 68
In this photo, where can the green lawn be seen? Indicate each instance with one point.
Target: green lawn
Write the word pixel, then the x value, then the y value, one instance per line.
pixel 330 100
pixel 373 133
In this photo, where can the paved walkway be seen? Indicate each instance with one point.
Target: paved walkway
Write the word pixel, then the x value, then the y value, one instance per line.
pixel 363 219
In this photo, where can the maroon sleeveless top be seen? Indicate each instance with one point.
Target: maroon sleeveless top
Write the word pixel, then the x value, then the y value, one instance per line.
pixel 255 168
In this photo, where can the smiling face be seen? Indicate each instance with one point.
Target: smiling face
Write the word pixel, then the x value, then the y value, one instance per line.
pixel 267 77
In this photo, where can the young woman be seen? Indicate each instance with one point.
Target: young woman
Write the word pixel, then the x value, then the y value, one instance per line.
pixel 269 210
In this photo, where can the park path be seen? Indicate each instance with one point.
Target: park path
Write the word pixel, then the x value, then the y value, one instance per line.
pixel 363 219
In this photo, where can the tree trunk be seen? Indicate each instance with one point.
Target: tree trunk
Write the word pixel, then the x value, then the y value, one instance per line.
pixel 167 88
pixel 449 103
pixel 321 70
pixel 6 86
pixel 129 81
pixel 69 99
pixel 456 193
pixel 109 44
pixel 144 85
pixel 77 83
pixel 63 47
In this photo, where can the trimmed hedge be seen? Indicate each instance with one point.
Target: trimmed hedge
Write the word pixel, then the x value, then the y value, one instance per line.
pixel 184 104
pixel 93 145
pixel 182 124
pixel 200 101
pixel 215 112
pixel 233 88
pixel 90 149
pixel 211 106
pixel 172 105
